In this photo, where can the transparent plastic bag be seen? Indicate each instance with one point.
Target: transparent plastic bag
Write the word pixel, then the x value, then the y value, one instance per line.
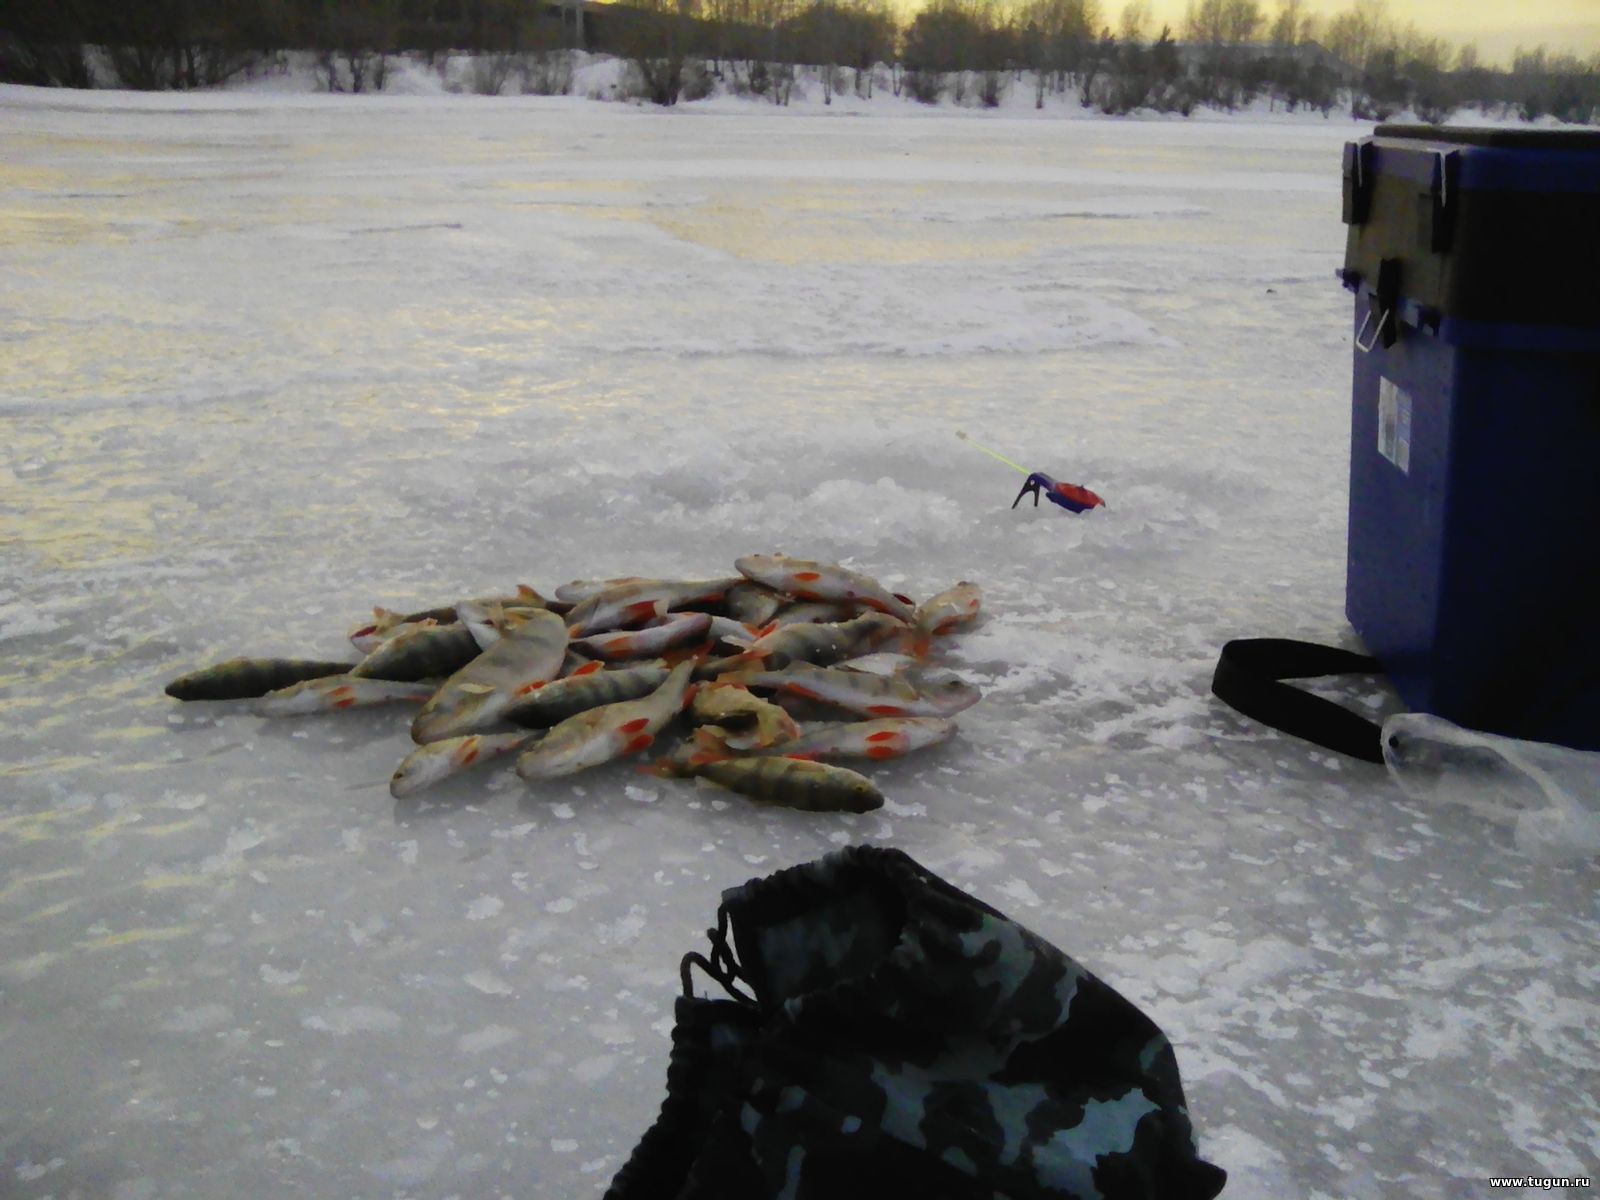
pixel 1549 794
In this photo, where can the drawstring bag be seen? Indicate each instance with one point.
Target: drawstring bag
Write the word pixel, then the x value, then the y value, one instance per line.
pixel 888 1035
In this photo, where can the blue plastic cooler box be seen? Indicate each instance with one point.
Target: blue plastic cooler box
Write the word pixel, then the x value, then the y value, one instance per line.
pixel 1474 546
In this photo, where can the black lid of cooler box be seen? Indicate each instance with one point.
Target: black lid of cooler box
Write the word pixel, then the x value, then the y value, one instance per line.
pixel 1478 235
pixel 1498 139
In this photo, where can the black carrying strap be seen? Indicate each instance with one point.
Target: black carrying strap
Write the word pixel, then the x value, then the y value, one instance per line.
pixel 721 966
pixel 1249 677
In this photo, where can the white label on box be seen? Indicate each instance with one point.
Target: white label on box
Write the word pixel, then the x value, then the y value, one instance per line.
pixel 1394 424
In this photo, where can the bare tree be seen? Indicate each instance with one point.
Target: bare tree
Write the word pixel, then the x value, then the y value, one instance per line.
pixel 1367 38
pixel 948 41
pixel 546 62
pixel 1134 24
pixel 773 73
pixel 1220 29
pixel 1558 85
pixel 941 41
pixel 1054 38
pixel 495 35
pixel 1294 75
pixel 1425 63
pixel 1360 32
pixel 657 45
pixel 1145 77
pixel 818 35
pixel 182 44
pixel 1100 58
pixel 1287 25
pixel 42 44
pixel 870 39
pixel 731 37
pixel 1476 82
pixel 356 39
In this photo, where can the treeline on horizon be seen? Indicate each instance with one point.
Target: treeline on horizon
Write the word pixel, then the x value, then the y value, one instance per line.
pixel 1225 53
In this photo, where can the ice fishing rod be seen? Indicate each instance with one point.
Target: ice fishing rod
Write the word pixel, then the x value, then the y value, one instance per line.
pixel 1070 496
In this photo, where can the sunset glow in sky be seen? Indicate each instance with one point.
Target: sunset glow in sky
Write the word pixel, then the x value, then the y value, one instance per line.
pixel 1498 27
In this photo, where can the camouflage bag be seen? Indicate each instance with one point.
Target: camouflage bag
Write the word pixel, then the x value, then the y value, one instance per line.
pixel 900 1038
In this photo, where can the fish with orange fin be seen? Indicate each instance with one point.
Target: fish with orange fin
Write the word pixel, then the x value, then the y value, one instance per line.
pixel 734 633
pixel 941 614
pixel 369 635
pixel 424 650
pixel 752 603
pixel 656 637
pixel 611 731
pixel 777 646
pixel 814 612
pixel 477 696
pixel 886 737
pixel 485 622
pixel 247 678
pixel 863 692
pixel 386 622
pixel 588 687
pixel 335 693
pixel 579 590
pixel 635 603
pixel 789 782
pixel 488 621
pixel 734 720
pixel 807 580
pixel 523 597
pixel 436 761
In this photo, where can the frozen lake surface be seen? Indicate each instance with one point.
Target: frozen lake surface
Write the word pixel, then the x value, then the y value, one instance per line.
pixel 268 361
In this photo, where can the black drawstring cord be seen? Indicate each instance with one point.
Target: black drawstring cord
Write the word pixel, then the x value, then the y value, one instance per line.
pixel 721 952
pixel 721 966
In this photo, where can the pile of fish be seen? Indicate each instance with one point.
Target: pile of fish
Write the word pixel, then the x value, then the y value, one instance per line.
pixel 599 670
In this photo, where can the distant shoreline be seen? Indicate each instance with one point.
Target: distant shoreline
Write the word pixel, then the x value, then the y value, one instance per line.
pixel 604 78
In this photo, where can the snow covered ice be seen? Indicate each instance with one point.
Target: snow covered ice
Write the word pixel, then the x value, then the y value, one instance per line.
pixel 267 361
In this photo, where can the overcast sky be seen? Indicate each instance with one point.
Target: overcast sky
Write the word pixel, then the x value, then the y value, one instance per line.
pixel 1497 26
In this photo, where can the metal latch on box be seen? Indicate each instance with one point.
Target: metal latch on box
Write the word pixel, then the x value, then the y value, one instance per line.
pixel 1357 186
pixel 1436 208
pixel 1383 306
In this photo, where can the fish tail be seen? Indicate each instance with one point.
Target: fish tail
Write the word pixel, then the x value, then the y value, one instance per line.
pixel 686 654
pixel 672 766
pixel 717 668
pixel 709 747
